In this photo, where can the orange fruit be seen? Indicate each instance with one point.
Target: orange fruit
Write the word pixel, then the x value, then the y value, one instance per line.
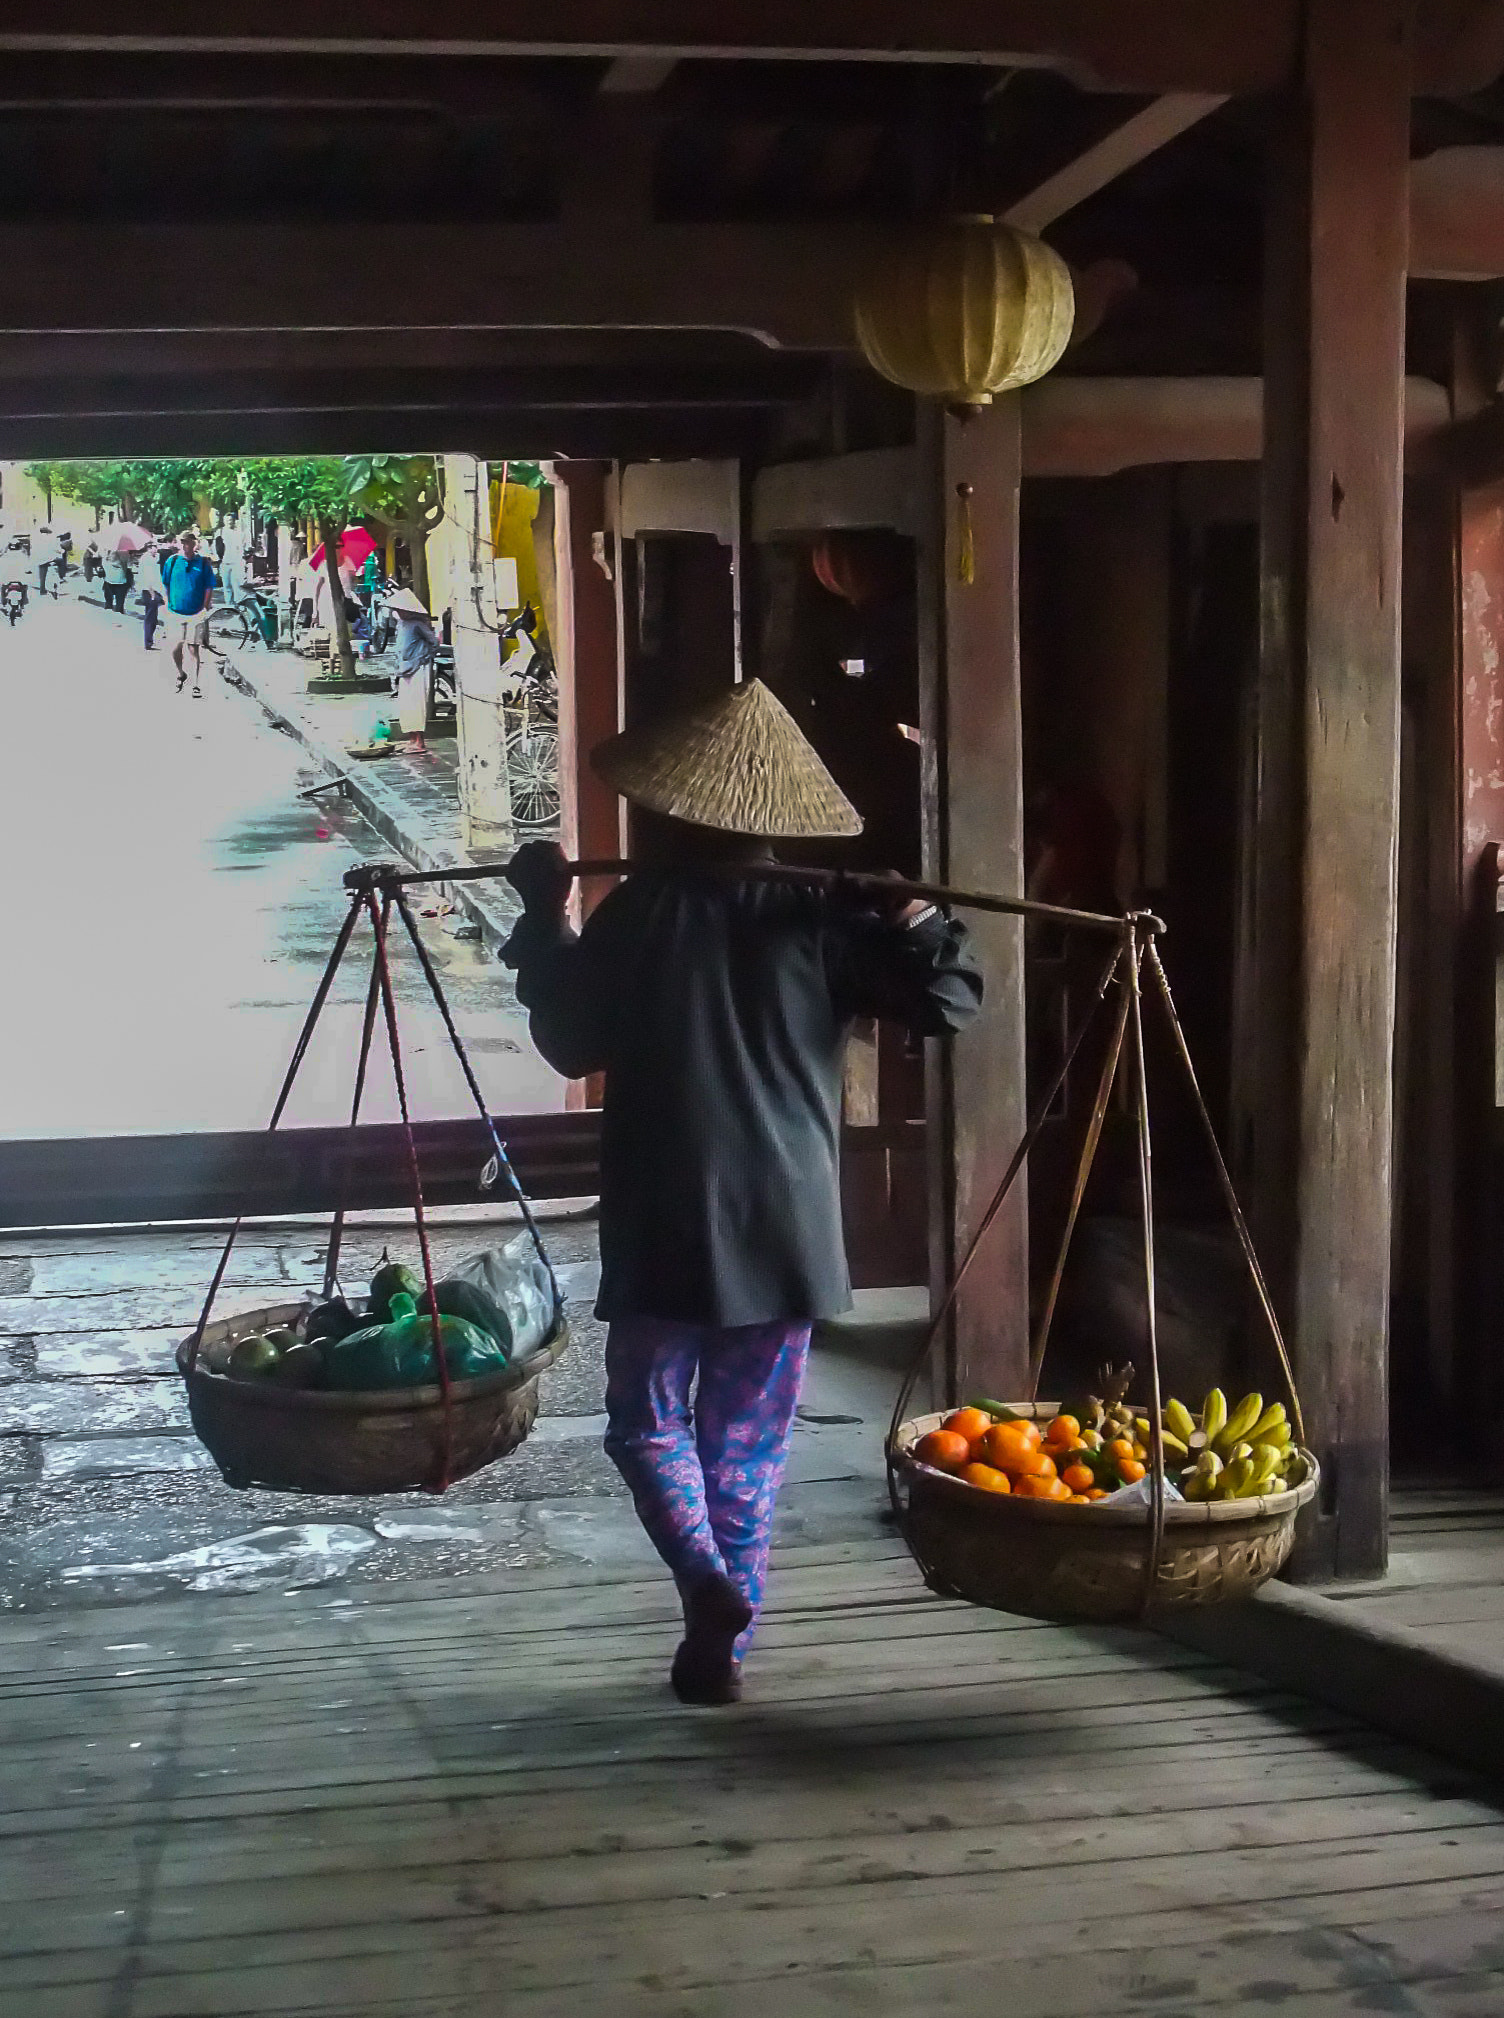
pixel 1130 1471
pixel 972 1423
pixel 1079 1499
pixel 987 1477
pixel 1097 1492
pixel 1003 1445
pixel 1063 1429
pixel 1033 1486
pixel 1079 1477
pixel 943 1449
pixel 1033 1464
pixel 1121 1446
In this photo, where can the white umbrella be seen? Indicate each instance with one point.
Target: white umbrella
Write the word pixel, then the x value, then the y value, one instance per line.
pixel 130 539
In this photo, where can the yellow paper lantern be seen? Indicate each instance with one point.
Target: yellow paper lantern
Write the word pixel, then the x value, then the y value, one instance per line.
pixel 966 309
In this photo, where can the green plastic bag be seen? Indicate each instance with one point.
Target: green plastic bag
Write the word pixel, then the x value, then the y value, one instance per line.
pixel 400 1352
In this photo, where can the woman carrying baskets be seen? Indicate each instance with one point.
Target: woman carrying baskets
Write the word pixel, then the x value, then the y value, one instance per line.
pixel 718 1007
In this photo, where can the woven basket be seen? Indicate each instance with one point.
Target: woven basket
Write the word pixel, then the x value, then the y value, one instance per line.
pixel 1086 1565
pixel 303 1440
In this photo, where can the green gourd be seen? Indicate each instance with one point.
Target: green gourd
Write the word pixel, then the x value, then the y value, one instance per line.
pixel 400 1352
pixel 332 1320
pixel 392 1279
pixel 464 1299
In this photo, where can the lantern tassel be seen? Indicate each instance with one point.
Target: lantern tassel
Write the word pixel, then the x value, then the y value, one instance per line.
pixel 966 546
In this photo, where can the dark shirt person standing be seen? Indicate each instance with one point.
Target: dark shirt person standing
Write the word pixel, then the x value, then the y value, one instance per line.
pixel 718 1006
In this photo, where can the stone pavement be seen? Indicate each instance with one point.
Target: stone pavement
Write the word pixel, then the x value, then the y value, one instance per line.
pixel 106 1496
pixel 410 798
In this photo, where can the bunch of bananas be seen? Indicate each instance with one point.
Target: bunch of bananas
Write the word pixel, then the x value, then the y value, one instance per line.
pixel 1229 1453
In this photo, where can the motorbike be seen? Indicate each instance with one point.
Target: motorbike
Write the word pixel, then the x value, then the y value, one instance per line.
pixel 13 599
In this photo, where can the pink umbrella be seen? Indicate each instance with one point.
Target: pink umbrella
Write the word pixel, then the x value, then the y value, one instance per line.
pixel 355 546
pixel 130 539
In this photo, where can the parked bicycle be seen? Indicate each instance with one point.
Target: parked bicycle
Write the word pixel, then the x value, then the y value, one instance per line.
pixel 250 621
pixel 531 716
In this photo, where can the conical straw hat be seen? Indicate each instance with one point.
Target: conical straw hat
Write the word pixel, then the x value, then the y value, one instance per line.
pixel 738 762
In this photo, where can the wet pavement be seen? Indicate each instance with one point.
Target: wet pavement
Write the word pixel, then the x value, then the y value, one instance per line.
pixel 172 901
pixel 106 1496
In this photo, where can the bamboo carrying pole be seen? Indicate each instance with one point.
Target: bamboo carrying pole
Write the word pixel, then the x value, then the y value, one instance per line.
pixel 386 876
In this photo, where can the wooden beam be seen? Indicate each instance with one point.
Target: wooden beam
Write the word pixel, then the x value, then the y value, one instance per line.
pixel 1132 45
pixel 1457 214
pixel 1118 151
pixel 407 390
pixel 1329 710
pixel 141 354
pixel 790 286
pixel 636 76
pixel 142 81
pixel 871 487
pixel 1094 427
pixel 1127 45
pixel 680 497
pixel 971 718
pixel 537 433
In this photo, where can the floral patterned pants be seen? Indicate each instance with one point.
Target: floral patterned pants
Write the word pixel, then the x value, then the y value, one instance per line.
pixel 704 1471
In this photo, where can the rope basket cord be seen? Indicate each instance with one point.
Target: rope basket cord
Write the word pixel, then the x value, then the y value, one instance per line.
pixel 968 1542
pixel 364 885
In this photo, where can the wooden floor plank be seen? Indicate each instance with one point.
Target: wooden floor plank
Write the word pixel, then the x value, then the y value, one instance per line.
pixel 473 1796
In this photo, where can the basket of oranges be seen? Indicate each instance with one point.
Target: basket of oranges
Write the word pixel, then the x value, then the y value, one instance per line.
pixel 1046 1511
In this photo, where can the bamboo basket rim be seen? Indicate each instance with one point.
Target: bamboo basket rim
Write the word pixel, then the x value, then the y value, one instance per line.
pixel 1005 1506
pixel 360 1400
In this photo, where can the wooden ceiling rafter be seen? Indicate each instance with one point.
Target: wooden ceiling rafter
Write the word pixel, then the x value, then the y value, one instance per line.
pixel 1134 45
pixel 1153 127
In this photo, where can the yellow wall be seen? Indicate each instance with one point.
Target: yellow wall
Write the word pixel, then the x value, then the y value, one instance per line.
pixel 512 516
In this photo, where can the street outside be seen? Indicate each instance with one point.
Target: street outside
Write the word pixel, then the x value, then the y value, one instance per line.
pixel 171 908
pixel 171 905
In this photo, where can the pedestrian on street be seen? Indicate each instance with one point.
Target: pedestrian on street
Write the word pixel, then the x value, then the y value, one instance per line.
pixel 117 580
pixel 299 592
pixel 232 566
pixel 417 645
pixel 52 554
pixel 93 564
pixel 153 595
pixel 719 1006
pixel 188 578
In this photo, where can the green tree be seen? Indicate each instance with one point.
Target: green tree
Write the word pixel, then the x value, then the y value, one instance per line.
pixel 164 492
pixel 317 487
pixel 403 492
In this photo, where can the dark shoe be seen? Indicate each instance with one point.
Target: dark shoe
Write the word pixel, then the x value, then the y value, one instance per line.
pixel 704 1688
pixel 705 1668
pixel 182 681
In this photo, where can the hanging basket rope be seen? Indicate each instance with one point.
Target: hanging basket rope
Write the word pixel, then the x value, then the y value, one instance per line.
pixel 1102 1563
pixel 392 1440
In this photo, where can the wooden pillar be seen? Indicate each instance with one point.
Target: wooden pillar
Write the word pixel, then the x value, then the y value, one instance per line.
pixel 585 650
pixel 592 816
pixel 973 834
pixel 1329 695
pixel 1481 830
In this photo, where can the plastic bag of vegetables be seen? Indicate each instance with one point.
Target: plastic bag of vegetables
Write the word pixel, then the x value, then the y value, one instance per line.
pixel 400 1353
pixel 505 1289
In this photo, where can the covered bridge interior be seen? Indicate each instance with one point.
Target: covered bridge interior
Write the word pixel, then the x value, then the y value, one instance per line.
pixel 1173 668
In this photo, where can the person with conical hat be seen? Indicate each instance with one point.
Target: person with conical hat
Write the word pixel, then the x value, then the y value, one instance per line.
pixel 718 1007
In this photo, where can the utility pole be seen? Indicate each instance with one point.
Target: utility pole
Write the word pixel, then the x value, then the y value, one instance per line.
pixel 485 796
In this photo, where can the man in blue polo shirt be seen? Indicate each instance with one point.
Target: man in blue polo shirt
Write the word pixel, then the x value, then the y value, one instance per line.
pixel 188 579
